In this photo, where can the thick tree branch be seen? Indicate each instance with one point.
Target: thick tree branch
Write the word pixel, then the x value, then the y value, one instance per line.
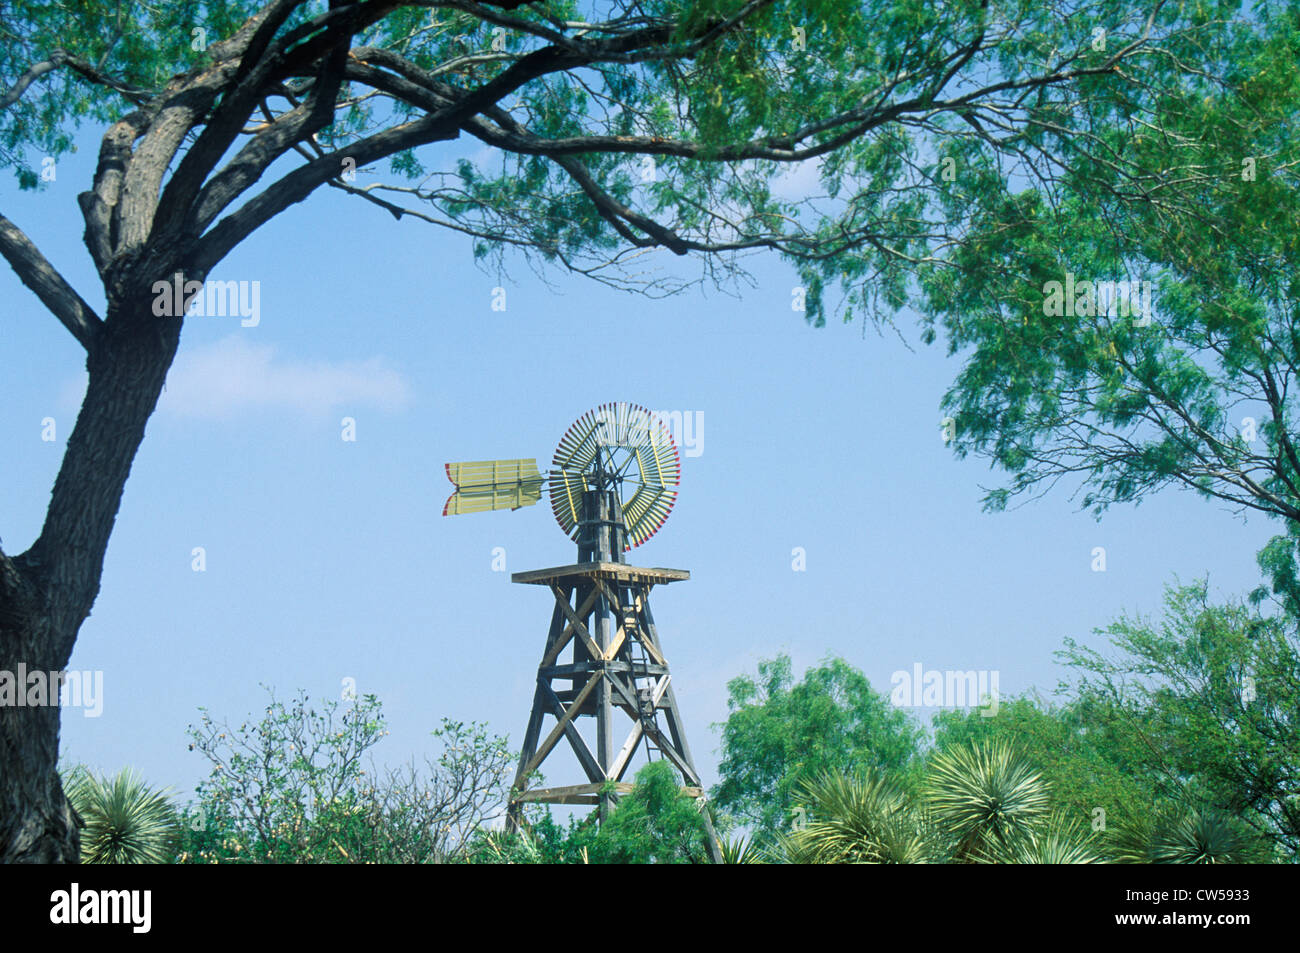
pixel 61 58
pixel 31 75
pixel 251 57
pixel 300 124
pixel 297 185
pixel 35 271
pixel 99 205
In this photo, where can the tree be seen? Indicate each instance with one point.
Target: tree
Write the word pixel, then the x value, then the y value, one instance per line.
pixel 1062 840
pixel 1159 750
pixel 294 788
pixel 706 100
pixel 1210 692
pixel 988 798
pixel 779 734
pixel 654 823
pixel 1182 836
pixel 739 850
pixel 1194 209
pixel 1063 380
pixel 863 819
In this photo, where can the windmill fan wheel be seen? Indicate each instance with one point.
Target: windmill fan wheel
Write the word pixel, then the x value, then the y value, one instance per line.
pixel 629 448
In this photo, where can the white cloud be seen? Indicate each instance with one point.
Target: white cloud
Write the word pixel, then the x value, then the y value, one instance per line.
pixel 232 375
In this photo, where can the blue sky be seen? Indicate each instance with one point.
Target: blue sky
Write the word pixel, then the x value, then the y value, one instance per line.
pixel 328 560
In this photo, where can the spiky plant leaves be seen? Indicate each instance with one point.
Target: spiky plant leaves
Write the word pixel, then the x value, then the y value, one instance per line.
pixel 740 850
pixel 1184 836
pixel 1061 840
pixel 986 798
pixel 1130 842
pixel 1200 837
pixel 126 821
pixel 865 819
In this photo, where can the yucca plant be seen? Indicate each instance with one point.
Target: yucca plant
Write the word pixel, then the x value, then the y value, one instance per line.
pixel 126 821
pixel 865 819
pixel 1060 841
pixel 739 850
pixel 987 799
pixel 1184 836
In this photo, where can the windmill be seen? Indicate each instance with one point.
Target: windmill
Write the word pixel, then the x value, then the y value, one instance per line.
pixel 612 483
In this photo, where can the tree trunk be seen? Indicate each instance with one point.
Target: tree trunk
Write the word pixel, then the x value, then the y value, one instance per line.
pixel 47 592
pixel 36 823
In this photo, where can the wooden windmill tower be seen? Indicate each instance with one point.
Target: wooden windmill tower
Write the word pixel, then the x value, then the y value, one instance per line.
pixel 613 482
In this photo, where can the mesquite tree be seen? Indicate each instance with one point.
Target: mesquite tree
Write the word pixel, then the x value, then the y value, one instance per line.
pixel 1191 379
pixel 622 128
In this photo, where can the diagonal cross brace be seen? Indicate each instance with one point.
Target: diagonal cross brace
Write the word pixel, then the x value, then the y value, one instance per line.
pixel 565 719
pixel 565 716
pixel 576 625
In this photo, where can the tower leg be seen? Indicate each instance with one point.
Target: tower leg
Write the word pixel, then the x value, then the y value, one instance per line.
pixel 514 808
pixel 604 706
pixel 678 735
pixel 715 848
pixel 614 667
pixel 532 733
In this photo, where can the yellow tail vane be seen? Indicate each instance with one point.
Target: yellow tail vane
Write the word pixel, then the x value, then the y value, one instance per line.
pixel 483 485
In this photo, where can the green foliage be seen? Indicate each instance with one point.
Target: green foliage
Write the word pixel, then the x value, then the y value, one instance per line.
pixel 780 734
pixel 544 841
pixel 139 45
pixel 1197 393
pixel 722 95
pixel 126 821
pixel 865 819
pixel 897 174
pixel 979 803
pixel 293 789
pixel 1183 836
pixel 1062 840
pixel 1209 692
pixel 1185 739
pixel 498 847
pixel 739 850
pixel 655 823
pixel 1093 771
